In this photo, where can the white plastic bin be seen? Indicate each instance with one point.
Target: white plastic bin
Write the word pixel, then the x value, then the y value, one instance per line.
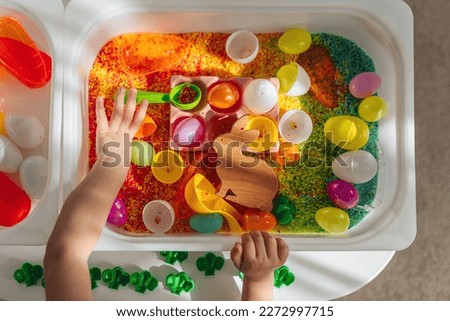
pixel 43 21
pixel 384 29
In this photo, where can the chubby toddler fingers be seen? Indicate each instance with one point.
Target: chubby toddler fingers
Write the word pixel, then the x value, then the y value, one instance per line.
pixel 117 115
pixel 283 250
pixel 138 118
pixel 102 120
pixel 260 246
pixel 129 109
pixel 248 246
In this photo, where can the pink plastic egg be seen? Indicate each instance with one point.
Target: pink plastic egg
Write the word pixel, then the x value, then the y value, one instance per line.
pixel 118 215
pixel 365 84
pixel 343 194
pixel 189 131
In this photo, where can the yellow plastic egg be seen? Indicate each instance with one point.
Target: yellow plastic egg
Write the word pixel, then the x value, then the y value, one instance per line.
pixel 295 41
pixel 268 133
pixel 347 132
pixel 333 220
pixel 372 108
pixel 168 166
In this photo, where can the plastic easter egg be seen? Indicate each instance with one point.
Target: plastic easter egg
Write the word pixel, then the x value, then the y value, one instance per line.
pixel 343 194
pixel 219 124
pixel 10 156
pixel 260 96
pixel 15 204
pixel 242 46
pixel 294 80
pixel 268 133
pixel 141 153
pixel 332 220
pixel 372 108
pixel 168 166
pixel 223 96
pixel 255 220
pixel 147 128
pixel 295 41
pixel 347 132
pixel 33 176
pixel 25 131
pixel 118 215
pixel 295 126
pixel 364 84
pixel 158 216
pixel 206 223
pixel 356 167
pixel 189 131
pixel 2 124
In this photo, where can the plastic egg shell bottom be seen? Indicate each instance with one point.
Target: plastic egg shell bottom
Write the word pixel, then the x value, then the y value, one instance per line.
pixel 355 167
pixel 33 175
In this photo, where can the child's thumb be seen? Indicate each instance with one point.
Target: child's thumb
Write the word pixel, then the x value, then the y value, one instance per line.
pixel 236 255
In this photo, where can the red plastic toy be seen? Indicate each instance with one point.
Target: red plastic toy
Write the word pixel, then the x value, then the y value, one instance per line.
pixel 14 203
pixel 21 57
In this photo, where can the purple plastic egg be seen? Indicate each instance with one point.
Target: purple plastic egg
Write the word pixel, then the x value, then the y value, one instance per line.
pixel 189 132
pixel 365 84
pixel 118 215
pixel 343 194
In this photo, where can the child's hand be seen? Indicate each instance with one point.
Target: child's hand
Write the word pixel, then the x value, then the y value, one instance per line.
pixel 259 255
pixel 114 138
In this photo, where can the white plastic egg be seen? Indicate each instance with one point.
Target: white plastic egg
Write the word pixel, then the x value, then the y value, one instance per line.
pixel 33 175
pixel 355 167
pixel 260 96
pixel 26 131
pixel 10 156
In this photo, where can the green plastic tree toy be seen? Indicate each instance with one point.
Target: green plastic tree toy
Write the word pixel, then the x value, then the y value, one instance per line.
pixel 143 281
pixel 115 277
pixel 173 256
pixel 29 274
pixel 180 282
pixel 283 209
pixel 209 263
pixel 96 275
pixel 282 276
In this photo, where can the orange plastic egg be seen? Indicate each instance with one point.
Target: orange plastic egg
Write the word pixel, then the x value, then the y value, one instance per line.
pixel 223 95
pixel 256 220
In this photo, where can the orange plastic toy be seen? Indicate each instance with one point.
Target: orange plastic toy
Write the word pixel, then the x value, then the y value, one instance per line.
pixel 144 53
pixel 21 57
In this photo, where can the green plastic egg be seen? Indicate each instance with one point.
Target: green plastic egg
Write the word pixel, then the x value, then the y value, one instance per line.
pixel 206 223
pixel 333 220
pixel 141 153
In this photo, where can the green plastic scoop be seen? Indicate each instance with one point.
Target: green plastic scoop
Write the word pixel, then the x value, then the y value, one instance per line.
pixel 173 97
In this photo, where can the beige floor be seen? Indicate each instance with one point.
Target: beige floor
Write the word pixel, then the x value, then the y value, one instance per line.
pixel 422 272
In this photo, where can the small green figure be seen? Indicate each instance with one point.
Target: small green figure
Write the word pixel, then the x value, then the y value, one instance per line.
pixel 180 282
pixel 96 275
pixel 143 281
pixel 115 277
pixel 29 274
pixel 173 256
pixel 282 275
pixel 209 263
pixel 283 209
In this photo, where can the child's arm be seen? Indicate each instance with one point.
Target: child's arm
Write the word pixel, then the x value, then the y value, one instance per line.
pixel 85 211
pixel 257 257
